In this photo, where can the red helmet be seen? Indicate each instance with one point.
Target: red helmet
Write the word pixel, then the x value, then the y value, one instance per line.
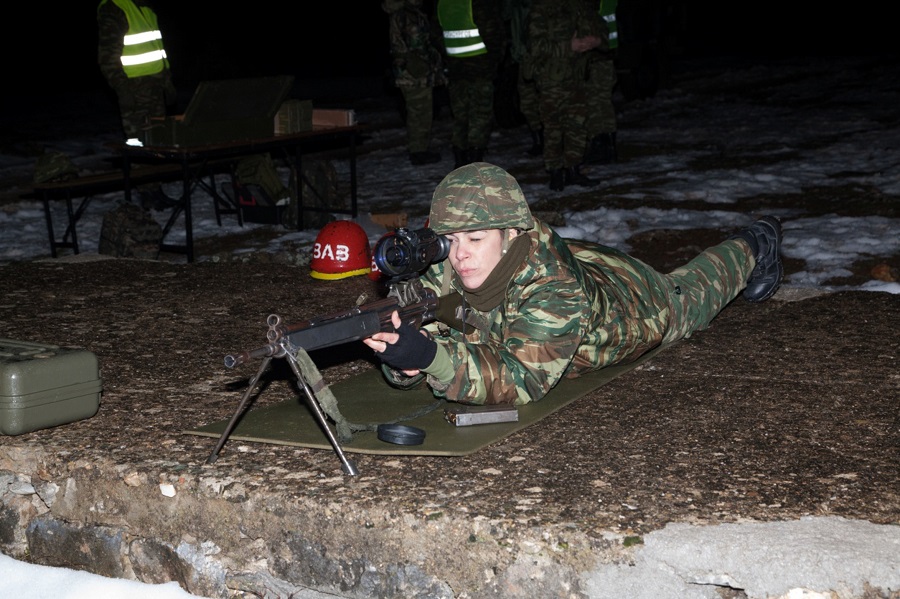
pixel 341 250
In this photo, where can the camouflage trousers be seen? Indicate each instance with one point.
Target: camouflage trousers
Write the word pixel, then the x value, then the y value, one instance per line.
pixel 529 101
pixel 419 117
pixel 563 112
pixel 700 289
pixel 647 308
pixel 471 91
pixel 601 113
pixel 140 100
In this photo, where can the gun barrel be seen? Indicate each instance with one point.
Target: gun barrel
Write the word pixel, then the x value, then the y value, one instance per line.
pixel 234 360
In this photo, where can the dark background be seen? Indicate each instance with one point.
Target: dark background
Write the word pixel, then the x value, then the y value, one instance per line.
pixel 342 38
pixel 52 48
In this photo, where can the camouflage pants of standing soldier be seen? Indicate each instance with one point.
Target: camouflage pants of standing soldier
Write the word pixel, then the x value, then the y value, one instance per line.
pixel 529 101
pixel 601 79
pixel 563 113
pixel 419 117
pixel 471 92
pixel 140 100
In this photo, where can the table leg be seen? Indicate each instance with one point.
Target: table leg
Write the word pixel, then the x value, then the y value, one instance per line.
pixel 188 221
pixel 353 174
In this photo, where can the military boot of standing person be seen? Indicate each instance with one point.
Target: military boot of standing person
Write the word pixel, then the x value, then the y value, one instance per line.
pixel 424 157
pixel 602 149
pixel 558 179
pixel 764 238
pixel 460 157
pixel 574 176
pixel 537 142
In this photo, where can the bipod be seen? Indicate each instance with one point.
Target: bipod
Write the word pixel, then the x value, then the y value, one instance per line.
pixel 347 465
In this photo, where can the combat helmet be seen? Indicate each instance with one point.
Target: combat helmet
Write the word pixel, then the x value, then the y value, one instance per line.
pixel 479 196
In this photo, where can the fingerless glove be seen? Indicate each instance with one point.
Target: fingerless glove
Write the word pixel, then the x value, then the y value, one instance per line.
pixel 413 350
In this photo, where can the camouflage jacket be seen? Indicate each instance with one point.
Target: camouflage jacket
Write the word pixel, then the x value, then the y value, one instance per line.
pixel 571 307
pixel 551 26
pixel 415 50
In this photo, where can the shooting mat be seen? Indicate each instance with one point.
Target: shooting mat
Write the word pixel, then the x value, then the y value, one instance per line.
pixel 367 398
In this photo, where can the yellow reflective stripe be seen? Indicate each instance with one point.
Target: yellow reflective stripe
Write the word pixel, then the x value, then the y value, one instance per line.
pixel 154 56
pixel 461 34
pixel 462 49
pixel 140 38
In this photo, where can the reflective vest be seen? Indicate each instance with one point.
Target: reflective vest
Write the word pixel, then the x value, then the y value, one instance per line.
pixel 608 12
pixel 142 49
pixel 461 35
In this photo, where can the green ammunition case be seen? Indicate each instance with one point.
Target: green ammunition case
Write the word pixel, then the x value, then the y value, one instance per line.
pixel 44 385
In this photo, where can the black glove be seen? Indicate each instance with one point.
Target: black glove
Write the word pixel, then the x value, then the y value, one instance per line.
pixel 413 350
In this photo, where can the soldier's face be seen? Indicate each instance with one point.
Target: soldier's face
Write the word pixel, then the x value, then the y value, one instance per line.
pixel 474 254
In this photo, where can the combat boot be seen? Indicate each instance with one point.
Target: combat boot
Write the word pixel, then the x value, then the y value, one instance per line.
pixel 602 149
pixel 460 157
pixel 764 238
pixel 537 142
pixel 425 157
pixel 558 179
pixel 573 176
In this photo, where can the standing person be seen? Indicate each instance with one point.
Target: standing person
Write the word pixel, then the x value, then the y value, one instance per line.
pixel 529 102
pixel 538 308
pixel 133 60
pixel 418 69
pixel 475 42
pixel 601 80
pixel 561 33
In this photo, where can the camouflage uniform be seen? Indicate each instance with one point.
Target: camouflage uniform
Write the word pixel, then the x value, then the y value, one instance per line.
pixel 529 101
pixel 560 74
pixel 471 84
pixel 417 67
pixel 570 307
pixel 139 98
pixel 601 80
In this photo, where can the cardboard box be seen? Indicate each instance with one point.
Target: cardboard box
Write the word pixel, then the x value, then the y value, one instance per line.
pixel 390 221
pixel 44 385
pixel 333 117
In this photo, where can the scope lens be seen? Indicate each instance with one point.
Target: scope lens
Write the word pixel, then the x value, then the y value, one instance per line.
pixel 392 255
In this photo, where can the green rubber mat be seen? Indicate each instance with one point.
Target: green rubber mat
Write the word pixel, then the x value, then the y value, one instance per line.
pixel 367 398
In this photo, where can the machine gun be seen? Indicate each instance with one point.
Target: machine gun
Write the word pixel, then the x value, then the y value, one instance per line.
pixel 415 304
pixel 400 256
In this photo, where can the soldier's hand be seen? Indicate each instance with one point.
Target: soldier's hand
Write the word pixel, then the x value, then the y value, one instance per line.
pixel 408 349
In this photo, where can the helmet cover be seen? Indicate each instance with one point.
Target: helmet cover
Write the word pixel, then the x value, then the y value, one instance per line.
pixel 479 196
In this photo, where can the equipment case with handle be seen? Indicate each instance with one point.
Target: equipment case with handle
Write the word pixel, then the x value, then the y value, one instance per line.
pixel 43 385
